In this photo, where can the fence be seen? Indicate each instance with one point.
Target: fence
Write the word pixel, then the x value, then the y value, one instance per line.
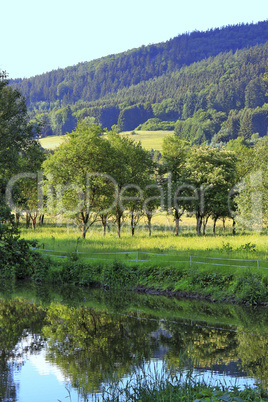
pixel 142 256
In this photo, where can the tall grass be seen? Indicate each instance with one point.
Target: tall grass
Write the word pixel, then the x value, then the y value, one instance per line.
pixel 64 238
pixel 167 384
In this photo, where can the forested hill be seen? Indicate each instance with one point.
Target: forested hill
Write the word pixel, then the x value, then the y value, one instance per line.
pixel 198 70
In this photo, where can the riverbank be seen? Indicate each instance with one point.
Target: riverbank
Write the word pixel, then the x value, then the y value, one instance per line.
pixel 228 284
pixel 230 269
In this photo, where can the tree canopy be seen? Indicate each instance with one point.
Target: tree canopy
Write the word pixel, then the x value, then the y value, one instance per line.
pixel 221 69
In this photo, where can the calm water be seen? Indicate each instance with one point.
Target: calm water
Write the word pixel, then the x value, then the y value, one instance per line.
pixel 71 342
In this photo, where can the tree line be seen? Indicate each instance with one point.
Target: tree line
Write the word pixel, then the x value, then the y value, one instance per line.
pixel 220 69
pixel 100 175
pixel 96 176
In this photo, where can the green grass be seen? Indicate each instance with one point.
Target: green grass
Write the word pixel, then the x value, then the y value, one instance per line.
pixel 163 262
pixel 51 142
pixel 203 266
pixel 68 238
pixel 162 390
pixel 149 139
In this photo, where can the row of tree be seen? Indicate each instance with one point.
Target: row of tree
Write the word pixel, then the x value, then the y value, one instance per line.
pixel 96 175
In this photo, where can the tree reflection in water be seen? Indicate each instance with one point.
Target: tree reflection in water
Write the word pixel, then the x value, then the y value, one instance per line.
pixel 92 345
pixel 18 320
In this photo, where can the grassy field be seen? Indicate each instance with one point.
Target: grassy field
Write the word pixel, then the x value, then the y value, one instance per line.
pixel 149 139
pixel 66 237
pixel 222 268
pixel 51 142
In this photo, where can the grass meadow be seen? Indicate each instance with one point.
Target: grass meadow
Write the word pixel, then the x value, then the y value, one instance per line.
pixel 66 237
pixel 51 142
pixel 149 139
pixel 222 268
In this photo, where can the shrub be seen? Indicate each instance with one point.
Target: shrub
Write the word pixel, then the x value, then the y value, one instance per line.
pixel 118 275
pixel 250 288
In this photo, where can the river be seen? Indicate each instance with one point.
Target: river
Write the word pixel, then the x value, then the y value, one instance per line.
pixel 77 343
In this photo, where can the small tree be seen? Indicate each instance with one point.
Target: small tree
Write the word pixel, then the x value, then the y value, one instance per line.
pixel 78 172
pixel 212 173
pixel 175 152
pixel 132 167
pixel 252 197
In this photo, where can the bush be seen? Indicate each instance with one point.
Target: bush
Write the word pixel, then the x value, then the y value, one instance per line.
pixel 156 124
pixel 118 275
pixel 251 289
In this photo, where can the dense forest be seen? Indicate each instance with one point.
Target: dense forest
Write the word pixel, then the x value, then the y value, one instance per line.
pixel 207 86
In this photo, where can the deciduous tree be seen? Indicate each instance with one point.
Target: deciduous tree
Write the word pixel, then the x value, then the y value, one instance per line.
pixel 79 172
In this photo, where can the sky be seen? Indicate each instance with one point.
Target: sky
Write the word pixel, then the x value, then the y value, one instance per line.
pixel 43 35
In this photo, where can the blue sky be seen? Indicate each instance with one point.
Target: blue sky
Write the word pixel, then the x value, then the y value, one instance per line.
pixel 38 36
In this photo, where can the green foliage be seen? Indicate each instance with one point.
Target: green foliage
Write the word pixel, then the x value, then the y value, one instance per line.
pixel 212 173
pixel 18 152
pixel 248 247
pixel 17 258
pixel 201 127
pixel 62 121
pixel 220 69
pixel 118 276
pixel 16 132
pixel 131 116
pixel 83 153
pixel 265 77
pixel 252 194
pixel 250 288
pixel 156 124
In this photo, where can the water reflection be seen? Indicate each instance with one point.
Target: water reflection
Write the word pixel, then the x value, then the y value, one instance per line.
pixel 88 337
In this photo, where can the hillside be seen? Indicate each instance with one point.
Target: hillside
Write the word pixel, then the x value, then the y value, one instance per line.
pixel 220 69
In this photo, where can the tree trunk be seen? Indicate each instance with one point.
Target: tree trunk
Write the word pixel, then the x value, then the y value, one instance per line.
pixel 41 219
pixel 33 222
pixel 223 224
pixel 132 224
pixel 33 218
pixel 119 226
pixel 84 231
pixel 149 225
pixel 234 227
pixel 177 222
pixel 104 229
pixel 17 216
pixel 214 226
pixel 104 224
pixel 198 224
pixel 205 225
pixel 27 220
pixel 84 219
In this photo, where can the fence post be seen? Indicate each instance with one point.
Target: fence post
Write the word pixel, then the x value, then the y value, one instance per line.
pixel 137 256
pixel 190 260
pixel 258 265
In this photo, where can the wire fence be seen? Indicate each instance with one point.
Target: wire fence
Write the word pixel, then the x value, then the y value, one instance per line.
pixel 142 256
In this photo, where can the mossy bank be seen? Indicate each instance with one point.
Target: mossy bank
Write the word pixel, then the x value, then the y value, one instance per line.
pixel 230 285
